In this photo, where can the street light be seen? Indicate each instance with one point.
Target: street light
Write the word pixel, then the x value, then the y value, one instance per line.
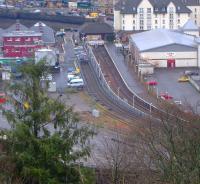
pixel 150 107
pixel 118 89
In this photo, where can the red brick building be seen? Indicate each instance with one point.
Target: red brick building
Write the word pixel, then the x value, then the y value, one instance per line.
pixel 21 43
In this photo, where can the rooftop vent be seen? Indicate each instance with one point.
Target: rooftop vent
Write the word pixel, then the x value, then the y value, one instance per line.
pixel 178 8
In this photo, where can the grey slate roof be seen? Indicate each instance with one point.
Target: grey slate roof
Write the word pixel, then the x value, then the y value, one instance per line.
pixel 17 27
pixel 190 26
pixel 191 2
pixel 160 6
pixel 47 32
pixel 161 37
pixel 96 28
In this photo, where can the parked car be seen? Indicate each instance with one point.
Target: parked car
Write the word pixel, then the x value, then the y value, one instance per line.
pixel 188 72
pixel 166 96
pixel 78 83
pixel 72 76
pixel 152 83
pixel 2 98
pixel 183 78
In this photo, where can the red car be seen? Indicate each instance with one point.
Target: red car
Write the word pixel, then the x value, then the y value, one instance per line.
pixel 165 96
pixel 152 83
pixel 2 98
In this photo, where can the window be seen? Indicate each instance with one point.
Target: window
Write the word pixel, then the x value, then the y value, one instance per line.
pixel 123 22
pixel 195 22
pixel 156 15
pixel 141 27
pixel 156 27
pixel 141 10
pixel 163 27
pixel 30 50
pixel 171 9
pixel 156 21
pixel 123 28
pixel 133 21
pixel 148 10
pixel 141 22
pixel 195 10
pixel 9 39
pixel 28 39
pixel 123 15
pixel 133 27
pixel 195 16
pixel 17 50
pixel 163 21
pixel 178 15
pixel 17 39
pixel 133 15
pixel 148 27
pixel 179 21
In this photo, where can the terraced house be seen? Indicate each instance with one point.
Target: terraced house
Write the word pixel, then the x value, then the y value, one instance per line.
pixel 152 14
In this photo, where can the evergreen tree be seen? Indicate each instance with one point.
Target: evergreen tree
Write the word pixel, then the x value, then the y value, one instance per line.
pixel 46 140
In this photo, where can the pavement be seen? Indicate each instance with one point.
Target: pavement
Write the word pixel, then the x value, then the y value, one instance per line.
pixel 167 81
pixel 181 91
pixel 127 73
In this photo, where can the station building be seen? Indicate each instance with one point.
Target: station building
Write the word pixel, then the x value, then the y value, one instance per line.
pixel 96 31
pixel 165 48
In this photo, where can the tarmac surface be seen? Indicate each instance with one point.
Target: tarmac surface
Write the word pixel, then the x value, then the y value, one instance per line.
pixel 167 82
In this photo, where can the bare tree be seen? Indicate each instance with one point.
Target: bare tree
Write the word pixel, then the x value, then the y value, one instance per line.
pixel 171 147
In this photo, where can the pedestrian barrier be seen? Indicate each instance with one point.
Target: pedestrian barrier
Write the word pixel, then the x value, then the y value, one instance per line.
pixel 100 76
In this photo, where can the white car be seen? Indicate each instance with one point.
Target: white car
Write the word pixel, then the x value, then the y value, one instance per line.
pixel 72 76
pixel 78 83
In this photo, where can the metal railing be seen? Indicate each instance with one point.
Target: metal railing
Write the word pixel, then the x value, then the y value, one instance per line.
pixel 105 86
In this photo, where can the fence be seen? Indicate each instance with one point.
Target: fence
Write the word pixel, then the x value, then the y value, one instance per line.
pixel 100 76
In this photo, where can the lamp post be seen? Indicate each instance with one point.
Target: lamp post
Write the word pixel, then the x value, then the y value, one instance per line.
pixel 118 89
pixel 150 108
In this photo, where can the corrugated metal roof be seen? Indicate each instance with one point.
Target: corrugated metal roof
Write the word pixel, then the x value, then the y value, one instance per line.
pixel 190 26
pixel 161 37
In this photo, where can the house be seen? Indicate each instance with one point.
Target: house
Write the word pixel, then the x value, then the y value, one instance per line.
pixel 153 14
pixel 21 43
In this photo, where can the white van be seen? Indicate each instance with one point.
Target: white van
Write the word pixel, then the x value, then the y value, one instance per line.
pixel 76 83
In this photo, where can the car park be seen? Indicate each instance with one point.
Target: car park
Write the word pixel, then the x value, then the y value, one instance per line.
pixel 183 78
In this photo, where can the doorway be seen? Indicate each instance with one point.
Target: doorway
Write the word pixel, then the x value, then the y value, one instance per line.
pixel 171 63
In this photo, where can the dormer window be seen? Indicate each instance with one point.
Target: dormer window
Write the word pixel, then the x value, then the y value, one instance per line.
pixel 163 9
pixel 134 9
pixel 178 8
pixel 156 9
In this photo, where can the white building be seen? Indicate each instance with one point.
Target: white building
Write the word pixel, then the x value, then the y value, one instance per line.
pixel 49 55
pixel 165 48
pixel 152 14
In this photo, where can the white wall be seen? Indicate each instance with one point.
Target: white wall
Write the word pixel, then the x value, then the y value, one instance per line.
pixel 195 13
pixel 117 20
pixel 182 59
pixel 125 22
